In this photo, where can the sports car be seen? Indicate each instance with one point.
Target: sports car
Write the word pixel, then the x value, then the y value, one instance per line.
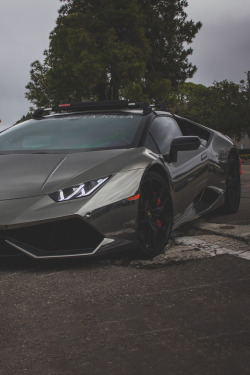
pixel 89 178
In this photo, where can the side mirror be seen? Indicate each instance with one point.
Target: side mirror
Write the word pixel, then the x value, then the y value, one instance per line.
pixel 187 143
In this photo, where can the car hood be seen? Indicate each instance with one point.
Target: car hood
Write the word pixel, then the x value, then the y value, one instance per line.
pixel 27 175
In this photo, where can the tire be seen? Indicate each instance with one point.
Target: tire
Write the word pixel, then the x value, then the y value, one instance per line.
pixel 155 215
pixel 233 188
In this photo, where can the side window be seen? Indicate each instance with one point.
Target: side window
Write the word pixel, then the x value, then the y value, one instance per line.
pixel 189 128
pixel 163 131
pixel 150 144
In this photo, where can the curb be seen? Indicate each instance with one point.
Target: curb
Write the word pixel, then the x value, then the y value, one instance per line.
pixel 237 232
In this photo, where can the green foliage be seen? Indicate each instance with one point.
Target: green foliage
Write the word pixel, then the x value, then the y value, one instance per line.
pixel 111 49
pixel 193 102
pixel 37 87
pixel 26 117
pixel 223 106
pixel 168 31
pixel 245 156
pixel 244 152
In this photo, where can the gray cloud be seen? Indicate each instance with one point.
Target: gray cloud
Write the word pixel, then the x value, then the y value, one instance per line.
pixel 221 49
pixel 24 35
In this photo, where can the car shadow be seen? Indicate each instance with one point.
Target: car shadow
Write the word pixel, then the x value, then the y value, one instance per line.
pixel 25 263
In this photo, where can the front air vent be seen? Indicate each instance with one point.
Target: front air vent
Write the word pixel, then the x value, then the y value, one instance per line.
pixel 65 236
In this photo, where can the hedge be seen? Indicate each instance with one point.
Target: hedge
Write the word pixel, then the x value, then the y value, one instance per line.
pixel 246 151
pixel 245 156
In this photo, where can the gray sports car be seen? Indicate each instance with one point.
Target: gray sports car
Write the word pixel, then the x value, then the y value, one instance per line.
pixel 88 178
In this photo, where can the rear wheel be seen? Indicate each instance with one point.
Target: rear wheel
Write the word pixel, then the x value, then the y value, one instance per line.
pixel 232 193
pixel 155 215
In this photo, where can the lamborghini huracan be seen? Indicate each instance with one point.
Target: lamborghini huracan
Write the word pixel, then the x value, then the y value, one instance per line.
pixel 89 178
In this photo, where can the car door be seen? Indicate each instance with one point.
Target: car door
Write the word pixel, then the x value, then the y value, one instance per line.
pixel 188 173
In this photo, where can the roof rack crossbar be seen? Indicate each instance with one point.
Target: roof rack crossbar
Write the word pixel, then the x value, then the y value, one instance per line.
pixel 162 107
pixel 38 113
pixel 86 106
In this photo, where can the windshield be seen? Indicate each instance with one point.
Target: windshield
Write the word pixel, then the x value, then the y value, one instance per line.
pixel 76 132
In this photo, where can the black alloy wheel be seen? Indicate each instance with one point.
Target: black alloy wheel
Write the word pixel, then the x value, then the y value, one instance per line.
pixel 155 215
pixel 233 188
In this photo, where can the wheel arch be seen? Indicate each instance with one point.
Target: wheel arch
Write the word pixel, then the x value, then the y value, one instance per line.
pixel 159 168
pixel 234 151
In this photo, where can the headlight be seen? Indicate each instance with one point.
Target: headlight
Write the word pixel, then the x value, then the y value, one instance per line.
pixel 78 191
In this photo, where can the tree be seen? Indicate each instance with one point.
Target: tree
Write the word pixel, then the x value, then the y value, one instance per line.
pixel 193 102
pixel 223 106
pixel 168 32
pixel 37 87
pixel 26 117
pixel 108 49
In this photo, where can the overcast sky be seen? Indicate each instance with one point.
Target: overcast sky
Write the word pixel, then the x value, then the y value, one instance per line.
pixel 221 48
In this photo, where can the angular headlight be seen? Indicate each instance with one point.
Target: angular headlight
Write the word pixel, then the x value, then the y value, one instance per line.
pixel 78 191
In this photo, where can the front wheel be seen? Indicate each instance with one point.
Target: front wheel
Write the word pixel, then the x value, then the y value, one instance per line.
pixel 155 215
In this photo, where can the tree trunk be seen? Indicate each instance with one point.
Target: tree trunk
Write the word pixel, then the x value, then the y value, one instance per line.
pixel 101 92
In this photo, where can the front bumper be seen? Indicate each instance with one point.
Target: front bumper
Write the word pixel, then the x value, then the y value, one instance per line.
pixel 42 228
pixel 69 237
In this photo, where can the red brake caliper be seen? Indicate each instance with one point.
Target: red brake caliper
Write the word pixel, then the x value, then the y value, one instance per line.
pixel 158 221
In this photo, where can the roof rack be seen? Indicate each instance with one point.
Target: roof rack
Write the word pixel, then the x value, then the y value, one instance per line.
pixel 161 107
pixel 86 106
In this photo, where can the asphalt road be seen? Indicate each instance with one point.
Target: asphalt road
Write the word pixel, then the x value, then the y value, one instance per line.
pixel 112 317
